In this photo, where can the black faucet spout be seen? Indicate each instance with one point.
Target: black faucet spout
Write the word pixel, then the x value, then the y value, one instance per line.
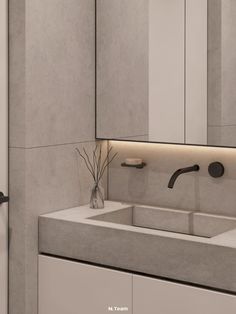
pixel 181 171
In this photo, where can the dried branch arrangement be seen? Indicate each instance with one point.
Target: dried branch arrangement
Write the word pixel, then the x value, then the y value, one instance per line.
pixel 97 164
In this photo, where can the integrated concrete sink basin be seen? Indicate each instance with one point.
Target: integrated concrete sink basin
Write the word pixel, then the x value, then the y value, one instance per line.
pixel 178 221
pixel 181 245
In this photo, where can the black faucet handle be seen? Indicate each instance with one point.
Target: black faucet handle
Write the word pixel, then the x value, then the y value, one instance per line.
pixel 216 169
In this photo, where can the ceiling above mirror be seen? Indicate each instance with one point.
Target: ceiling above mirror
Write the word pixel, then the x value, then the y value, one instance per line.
pixel 166 71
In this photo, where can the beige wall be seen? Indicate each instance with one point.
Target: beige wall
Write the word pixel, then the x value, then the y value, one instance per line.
pixel 52 97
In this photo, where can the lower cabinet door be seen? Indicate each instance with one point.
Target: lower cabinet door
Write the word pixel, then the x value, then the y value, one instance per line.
pixel 74 288
pixel 153 296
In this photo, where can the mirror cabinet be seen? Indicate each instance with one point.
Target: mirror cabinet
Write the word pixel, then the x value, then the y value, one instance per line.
pixel 166 71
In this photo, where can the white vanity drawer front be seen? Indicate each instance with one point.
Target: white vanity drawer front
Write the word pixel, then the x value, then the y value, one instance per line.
pixel 67 287
pixel 153 296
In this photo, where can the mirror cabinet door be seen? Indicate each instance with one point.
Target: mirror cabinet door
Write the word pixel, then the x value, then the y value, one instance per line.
pixel 166 60
pixel 166 71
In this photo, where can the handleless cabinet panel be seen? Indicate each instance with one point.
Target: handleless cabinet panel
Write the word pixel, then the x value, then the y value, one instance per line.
pixel 67 287
pixel 152 296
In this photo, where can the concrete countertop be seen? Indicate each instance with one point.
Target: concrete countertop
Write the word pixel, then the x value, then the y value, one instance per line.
pixel 71 233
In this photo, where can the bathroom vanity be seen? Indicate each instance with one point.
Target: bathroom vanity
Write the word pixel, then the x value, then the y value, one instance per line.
pixel 165 73
pixel 136 259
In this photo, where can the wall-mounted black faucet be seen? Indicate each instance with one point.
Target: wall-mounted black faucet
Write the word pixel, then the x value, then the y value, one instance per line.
pixel 179 172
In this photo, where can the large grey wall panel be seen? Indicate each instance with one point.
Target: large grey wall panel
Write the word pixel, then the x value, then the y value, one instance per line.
pixel 17 72
pixel 60 69
pixel 52 99
pixel 52 56
pixel 42 179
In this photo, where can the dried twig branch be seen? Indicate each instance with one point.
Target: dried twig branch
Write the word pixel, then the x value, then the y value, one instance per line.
pixel 108 163
pixel 90 170
pixel 105 160
pixel 97 166
pixel 89 162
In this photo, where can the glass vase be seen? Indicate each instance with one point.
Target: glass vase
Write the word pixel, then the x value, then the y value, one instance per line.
pixel 97 197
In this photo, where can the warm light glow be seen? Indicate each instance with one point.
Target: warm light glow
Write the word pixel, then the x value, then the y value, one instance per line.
pixel 175 151
pixel 171 146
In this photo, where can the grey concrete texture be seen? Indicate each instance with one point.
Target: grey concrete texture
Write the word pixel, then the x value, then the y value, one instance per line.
pixel 52 68
pixel 41 180
pixel 182 257
pixel 52 99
